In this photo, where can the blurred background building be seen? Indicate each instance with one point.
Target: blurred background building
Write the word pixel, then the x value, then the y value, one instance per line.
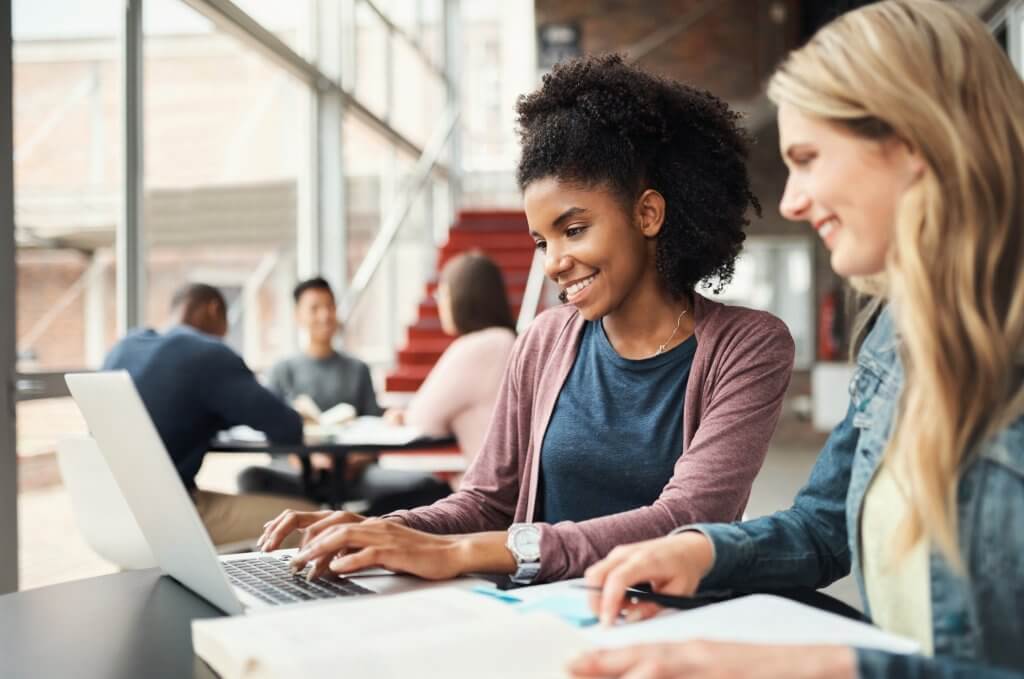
pixel 248 143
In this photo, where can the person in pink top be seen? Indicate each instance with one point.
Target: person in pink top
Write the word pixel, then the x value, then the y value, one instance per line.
pixel 639 405
pixel 458 395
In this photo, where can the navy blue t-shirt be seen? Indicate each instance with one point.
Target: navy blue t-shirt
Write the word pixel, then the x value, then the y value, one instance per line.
pixel 193 385
pixel 616 432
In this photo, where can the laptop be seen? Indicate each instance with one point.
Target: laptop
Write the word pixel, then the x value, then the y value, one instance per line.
pixel 147 478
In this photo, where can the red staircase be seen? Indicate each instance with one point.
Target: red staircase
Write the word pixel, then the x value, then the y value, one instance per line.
pixel 501 235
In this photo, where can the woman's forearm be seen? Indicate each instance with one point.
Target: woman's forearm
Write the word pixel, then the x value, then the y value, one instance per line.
pixel 485 553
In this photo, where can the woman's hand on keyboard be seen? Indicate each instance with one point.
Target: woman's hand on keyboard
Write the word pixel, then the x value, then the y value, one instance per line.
pixel 351 547
pixel 312 523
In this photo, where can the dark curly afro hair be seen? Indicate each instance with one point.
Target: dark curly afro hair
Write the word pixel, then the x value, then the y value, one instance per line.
pixel 597 121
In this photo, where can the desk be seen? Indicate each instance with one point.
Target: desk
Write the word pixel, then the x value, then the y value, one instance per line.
pixel 134 624
pixel 338 487
pixel 126 625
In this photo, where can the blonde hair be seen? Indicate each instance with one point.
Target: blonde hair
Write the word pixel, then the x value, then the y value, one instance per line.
pixel 930 75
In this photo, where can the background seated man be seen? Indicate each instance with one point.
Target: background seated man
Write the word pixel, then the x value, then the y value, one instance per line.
pixel 329 377
pixel 193 386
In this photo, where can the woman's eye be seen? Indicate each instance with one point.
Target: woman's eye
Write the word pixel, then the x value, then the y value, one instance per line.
pixel 541 245
pixel 574 231
pixel 803 161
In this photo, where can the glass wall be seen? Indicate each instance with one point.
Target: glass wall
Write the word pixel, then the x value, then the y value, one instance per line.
pixel 774 275
pixel 238 132
pixel 67 150
pixel 225 135
pixel 396 72
pixel 68 190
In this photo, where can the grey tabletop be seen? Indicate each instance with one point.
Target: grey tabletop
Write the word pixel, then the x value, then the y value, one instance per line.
pixel 132 624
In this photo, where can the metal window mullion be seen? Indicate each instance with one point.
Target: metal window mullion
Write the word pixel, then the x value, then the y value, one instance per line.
pixel 397 30
pixel 389 74
pixel 330 176
pixel 8 339
pixel 452 17
pixel 331 192
pixel 307 220
pixel 131 264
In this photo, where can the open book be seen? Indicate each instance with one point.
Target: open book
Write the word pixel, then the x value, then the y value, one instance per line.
pixel 339 414
pixel 452 633
pixel 362 431
pixel 442 632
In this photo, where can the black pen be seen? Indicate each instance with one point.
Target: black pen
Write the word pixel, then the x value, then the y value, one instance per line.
pixel 641 593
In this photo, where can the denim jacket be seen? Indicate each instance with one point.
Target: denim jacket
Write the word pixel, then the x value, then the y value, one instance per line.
pixel 977 622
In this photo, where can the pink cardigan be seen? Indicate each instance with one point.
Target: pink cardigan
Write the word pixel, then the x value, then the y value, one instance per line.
pixel 739 376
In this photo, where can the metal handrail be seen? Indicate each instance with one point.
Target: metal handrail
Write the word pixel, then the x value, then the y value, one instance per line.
pixel 382 243
pixel 532 293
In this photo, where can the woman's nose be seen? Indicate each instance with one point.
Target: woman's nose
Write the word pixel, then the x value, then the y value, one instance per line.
pixel 555 263
pixel 795 203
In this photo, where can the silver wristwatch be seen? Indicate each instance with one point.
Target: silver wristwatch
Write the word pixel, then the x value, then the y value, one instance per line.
pixel 524 543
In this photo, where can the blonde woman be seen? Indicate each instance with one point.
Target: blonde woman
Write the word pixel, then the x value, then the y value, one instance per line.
pixel 902 125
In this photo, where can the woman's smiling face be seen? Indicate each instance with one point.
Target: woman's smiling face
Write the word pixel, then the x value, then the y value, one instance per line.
pixel 593 249
pixel 846 187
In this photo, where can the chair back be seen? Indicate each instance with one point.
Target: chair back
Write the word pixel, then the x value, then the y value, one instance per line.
pixel 101 512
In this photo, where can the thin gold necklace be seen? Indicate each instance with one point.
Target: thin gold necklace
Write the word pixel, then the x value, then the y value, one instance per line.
pixel 661 348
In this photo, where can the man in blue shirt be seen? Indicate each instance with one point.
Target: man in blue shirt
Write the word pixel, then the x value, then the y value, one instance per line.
pixel 193 386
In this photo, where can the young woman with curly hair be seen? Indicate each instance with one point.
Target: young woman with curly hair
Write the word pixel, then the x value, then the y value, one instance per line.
pixel 901 126
pixel 639 405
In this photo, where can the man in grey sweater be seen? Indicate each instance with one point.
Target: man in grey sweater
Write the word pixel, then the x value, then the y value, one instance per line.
pixel 329 377
pixel 319 371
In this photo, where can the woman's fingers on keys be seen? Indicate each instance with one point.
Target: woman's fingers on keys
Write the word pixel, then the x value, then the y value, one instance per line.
pixel 284 525
pixel 336 539
pixel 330 519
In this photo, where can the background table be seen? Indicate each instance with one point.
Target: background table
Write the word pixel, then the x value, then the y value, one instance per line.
pixel 338 486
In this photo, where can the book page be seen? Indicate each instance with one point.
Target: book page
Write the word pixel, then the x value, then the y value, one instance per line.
pixel 758 619
pixel 441 632
pixel 339 414
pixel 424 462
pixel 366 430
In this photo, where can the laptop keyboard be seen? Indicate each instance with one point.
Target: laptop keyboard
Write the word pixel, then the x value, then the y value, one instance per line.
pixel 270 579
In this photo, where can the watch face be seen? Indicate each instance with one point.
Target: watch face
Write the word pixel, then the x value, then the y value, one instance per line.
pixel 527 542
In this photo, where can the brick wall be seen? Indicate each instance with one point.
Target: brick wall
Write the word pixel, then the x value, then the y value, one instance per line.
pixel 44 278
pixel 730 49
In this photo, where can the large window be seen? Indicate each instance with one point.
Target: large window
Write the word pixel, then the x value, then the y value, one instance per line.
pixel 226 132
pixel 279 139
pixel 774 275
pixel 67 146
pixel 68 188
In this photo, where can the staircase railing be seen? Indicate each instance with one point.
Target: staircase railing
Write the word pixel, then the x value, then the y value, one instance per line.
pixel 385 238
pixel 532 293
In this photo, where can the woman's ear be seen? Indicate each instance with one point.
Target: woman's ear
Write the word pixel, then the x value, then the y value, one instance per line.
pixel 911 158
pixel 650 212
